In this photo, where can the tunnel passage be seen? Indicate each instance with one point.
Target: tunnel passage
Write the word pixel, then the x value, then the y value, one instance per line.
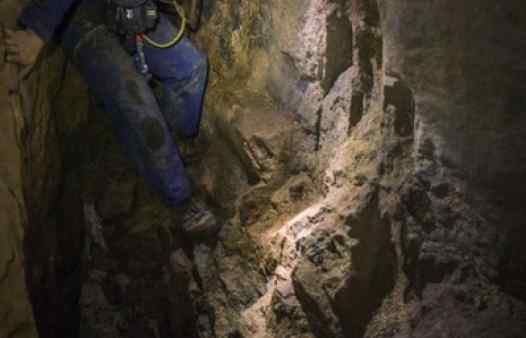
pixel 328 150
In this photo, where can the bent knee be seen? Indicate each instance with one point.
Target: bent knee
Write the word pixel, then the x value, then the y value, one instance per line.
pixel 178 193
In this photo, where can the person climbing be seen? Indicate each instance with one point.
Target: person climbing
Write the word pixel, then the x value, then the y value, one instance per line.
pixel 118 47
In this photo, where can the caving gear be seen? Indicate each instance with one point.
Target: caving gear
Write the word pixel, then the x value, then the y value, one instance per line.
pixel 191 9
pixel 135 18
pixel 143 123
pixel 131 17
pixel 138 17
pixel 177 37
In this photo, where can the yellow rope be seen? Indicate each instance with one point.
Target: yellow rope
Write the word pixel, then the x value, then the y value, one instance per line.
pixel 177 37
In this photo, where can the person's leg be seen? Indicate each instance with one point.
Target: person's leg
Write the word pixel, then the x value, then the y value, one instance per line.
pixel 111 76
pixel 182 71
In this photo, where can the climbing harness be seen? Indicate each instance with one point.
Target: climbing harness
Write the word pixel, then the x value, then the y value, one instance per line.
pixel 131 17
pixel 134 18
pixel 177 37
pixel 137 17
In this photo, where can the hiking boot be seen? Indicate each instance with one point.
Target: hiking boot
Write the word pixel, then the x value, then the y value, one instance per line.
pixel 197 221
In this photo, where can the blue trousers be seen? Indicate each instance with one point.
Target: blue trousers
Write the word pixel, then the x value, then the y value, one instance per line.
pixel 142 121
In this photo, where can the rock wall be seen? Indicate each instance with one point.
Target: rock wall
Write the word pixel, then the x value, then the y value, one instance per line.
pixel 362 156
pixel 463 61
pixel 16 315
pixel 409 125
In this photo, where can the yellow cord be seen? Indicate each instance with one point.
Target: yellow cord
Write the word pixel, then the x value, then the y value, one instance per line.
pixel 177 37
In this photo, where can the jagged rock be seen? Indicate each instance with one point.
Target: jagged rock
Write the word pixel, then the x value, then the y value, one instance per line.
pixel 321 281
pixel 313 46
pixel 118 198
pixel 297 189
pixel 254 204
pixel 262 147
pixel 363 155
pixel 469 312
pixel 334 121
pixel 287 318
pixel 99 318
pixel 229 281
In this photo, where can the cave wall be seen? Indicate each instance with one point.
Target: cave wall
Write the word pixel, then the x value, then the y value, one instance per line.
pixel 16 312
pixel 461 63
pixel 16 315
pixel 464 62
pixel 43 106
pixel 422 111
pixel 363 157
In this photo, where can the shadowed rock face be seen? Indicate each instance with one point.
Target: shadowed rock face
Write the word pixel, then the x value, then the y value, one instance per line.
pixel 464 61
pixel 363 157
pixel 16 314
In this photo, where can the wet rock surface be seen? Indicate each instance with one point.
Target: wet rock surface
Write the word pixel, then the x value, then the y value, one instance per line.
pixel 362 159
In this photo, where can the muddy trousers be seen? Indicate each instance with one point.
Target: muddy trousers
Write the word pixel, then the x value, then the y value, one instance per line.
pixel 144 122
